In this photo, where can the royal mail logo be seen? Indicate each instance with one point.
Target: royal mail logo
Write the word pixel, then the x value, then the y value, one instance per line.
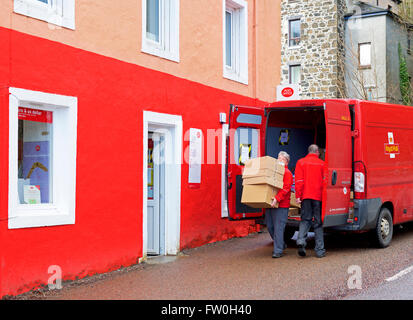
pixel 391 148
pixel 287 92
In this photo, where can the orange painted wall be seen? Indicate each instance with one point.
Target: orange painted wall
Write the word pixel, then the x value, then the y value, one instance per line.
pixel 113 29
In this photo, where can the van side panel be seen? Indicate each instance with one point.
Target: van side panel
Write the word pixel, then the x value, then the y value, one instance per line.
pixel 386 148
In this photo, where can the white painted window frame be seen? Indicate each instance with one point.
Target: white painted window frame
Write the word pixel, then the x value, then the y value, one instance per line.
pixel 171 127
pixel 62 210
pixel 168 45
pixel 224 200
pixel 239 69
pixel 56 12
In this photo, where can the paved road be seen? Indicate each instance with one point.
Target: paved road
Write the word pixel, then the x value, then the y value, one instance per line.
pixel 242 268
pixel 401 288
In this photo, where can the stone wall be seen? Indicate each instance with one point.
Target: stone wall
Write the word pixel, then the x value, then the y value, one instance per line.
pixel 321 48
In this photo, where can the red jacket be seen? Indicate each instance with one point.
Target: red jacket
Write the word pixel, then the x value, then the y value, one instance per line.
pixel 309 178
pixel 283 196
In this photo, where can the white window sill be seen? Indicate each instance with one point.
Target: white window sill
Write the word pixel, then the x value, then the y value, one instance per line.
pixel 160 53
pixel 230 75
pixel 32 216
pixel 41 12
pixel 294 47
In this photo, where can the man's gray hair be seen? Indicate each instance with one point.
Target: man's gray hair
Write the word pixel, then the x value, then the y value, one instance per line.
pixel 313 148
pixel 285 155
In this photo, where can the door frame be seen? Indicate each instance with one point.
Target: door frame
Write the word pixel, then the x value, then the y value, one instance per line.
pixel 171 127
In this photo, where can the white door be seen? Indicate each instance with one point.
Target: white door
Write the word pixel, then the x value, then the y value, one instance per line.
pixel 154 186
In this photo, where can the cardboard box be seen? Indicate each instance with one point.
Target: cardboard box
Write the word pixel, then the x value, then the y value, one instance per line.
pixel 294 212
pixel 254 167
pixel 274 181
pixel 258 195
pixel 252 173
pixel 293 201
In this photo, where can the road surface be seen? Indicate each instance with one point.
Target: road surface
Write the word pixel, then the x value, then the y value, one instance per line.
pixel 243 268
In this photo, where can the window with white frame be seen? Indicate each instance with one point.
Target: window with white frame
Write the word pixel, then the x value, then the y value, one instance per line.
pixel 42 159
pixel 160 28
pixel 56 12
pixel 294 73
pixel 365 55
pixel 294 32
pixel 235 22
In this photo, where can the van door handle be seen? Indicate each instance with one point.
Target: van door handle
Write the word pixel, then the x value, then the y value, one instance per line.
pixel 334 178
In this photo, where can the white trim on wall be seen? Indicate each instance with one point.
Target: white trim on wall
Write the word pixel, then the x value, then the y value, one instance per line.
pixel 168 45
pixel 56 12
pixel 64 146
pixel 239 10
pixel 171 127
pixel 224 200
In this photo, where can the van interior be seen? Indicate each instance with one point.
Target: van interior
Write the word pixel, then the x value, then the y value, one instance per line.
pixel 293 130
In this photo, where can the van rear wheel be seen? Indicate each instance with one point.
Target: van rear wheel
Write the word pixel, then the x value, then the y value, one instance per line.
pixel 383 233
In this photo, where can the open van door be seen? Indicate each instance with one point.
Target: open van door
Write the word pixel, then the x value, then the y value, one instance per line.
pixel 245 141
pixel 336 195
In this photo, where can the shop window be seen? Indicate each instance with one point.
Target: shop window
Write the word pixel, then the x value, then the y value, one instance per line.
pixel 235 35
pixel 160 28
pixel 56 12
pixel 42 159
pixel 35 131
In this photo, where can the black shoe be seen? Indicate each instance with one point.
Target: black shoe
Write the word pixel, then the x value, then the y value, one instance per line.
pixel 301 251
pixel 321 255
pixel 277 255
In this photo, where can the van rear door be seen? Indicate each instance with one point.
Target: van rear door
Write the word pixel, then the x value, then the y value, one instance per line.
pixel 336 195
pixel 245 141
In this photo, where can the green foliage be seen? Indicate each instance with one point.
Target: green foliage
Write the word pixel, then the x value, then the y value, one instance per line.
pixel 405 87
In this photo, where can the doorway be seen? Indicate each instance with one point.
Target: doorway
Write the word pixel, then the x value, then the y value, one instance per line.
pixel 162 158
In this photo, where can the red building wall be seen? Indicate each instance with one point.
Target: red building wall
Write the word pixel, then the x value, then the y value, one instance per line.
pixel 111 98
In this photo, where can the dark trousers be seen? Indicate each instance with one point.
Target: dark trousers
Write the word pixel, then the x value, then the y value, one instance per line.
pixel 276 219
pixel 311 209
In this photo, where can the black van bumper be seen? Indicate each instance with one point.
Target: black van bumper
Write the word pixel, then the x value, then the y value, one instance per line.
pixel 366 213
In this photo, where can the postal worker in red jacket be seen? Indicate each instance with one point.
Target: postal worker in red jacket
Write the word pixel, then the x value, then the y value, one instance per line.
pixel 276 218
pixel 309 179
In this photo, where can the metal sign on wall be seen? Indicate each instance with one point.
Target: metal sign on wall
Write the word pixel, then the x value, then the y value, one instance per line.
pixel 288 92
pixel 195 157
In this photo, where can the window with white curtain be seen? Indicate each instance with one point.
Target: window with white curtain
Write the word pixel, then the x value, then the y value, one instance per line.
pixel 56 12
pixel 160 28
pixel 365 55
pixel 235 35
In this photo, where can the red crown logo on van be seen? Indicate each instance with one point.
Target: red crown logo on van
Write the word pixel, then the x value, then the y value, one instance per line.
pixel 287 92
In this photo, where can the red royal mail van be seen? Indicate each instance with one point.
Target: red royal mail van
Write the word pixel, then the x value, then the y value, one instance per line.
pixel 368 155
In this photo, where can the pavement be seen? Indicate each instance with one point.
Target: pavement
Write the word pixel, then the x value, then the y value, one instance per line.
pixel 243 269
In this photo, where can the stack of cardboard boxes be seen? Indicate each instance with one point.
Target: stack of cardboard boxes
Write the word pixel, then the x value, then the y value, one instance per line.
pixel 262 178
pixel 294 206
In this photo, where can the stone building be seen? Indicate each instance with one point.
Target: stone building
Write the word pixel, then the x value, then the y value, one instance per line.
pixel 315 52
pixel 312 46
